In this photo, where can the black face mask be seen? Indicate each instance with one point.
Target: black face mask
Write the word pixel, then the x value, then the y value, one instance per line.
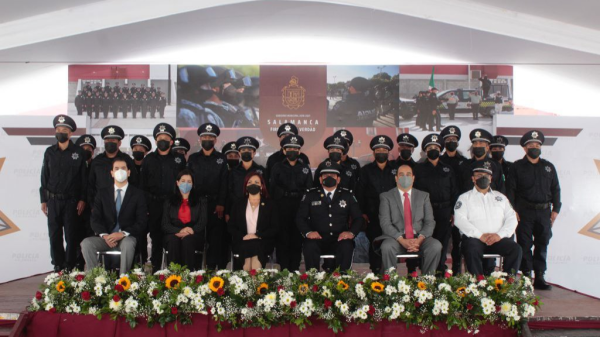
pixel 292 155
pixel 208 145
pixel 433 154
pixel 405 154
pixel 534 153
pixel 335 156
pixel 497 155
pixel 111 147
pixel 253 189
pixel 381 157
pixel 246 156
pixel 451 146
pixel 230 95
pixel 203 95
pixel 163 145
pixel 138 155
pixel 232 163
pixel 62 137
pixel 329 182
pixel 483 182
pixel 479 152
pixel 88 154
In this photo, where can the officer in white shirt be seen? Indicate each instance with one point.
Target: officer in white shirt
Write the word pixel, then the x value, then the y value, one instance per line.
pixel 487 222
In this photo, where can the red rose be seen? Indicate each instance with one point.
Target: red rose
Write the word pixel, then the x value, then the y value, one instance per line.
pixel 199 278
pixel 447 275
pixel 315 288
pixel 336 274
pixel 417 304
pixel 154 292
pixel 119 288
pixel 386 277
pixel 371 310
pixel 361 283
pixel 250 304
pixel 327 304
pixel 280 288
pixel 52 310
pixel 469 306
pixel 253 272
pixel 414 274
pixel 38 295
pixel 80 277
pixel 293 304
pixel 220 291
pixel 511 280
pixel 116 298
pixel 174 310
pixel 480 277
pixel 498 308
pixel 303 277
pixel 161 278
pixel 85 296
pixel 60 273
pixel 536 303
pixel 518 302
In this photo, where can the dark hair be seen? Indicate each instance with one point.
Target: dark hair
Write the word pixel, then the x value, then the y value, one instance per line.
pixel 177 197
pixel 263 188
pixel 118 159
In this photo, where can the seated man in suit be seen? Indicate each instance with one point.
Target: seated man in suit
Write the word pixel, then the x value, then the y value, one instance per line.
pixel 407 223
pixel 119 218
pixel 487 223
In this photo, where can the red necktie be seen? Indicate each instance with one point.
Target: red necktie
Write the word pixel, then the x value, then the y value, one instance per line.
pixel 408 228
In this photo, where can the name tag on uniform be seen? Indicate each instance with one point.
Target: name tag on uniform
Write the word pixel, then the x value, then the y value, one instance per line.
pixel 316 203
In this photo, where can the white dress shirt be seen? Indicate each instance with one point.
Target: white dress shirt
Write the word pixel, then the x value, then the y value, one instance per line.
pixel 402 197
pixel 476 214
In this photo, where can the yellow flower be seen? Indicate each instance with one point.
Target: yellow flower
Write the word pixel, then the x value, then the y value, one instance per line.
pixel 60 287
pixel 124 281
pixel 173 281
pixel 377 287
pixel 461 291
pixel 303 289
pixel 422 285
pixel 262 289
pixel 342 285
pixel 499 283
pixel 216 283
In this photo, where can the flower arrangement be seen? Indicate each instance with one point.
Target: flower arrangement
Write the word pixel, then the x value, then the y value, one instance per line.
pixel 268 298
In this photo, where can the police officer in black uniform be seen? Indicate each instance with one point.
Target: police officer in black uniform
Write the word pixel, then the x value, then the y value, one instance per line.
pixel 323 219
pixel 181 146
pixel 335 145
pixel 232 153
pixel 289 180
pixel 62 192
pixel 158 176
pixel 247 147
pixel 406 146
pixel 193 89
pixel 283 131
pixel 375 178
pixel 140 146
pixel 434 114
pixel 481 140
pixel 497 148
pixel 534 190
pixel 210 182
pixel 346 159
pixel 84 229
pixel 357 109
pixel 437 178
pixel 79 103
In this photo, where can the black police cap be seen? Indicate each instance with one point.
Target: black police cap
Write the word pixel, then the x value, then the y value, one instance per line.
pixel 483 166
pixel 66 121
pixel 112 132
pixel 164 129
pixel 181 143
pixel 328 166
pixel 230 147
pixel 480 135
pixel 249 142
pixel 209 129
pixel 432 139
pixel 86 140
pixel 451 131
pixel 499 141
pixel 292 141
pixel 382 141
pixel 141 141
pixel 533 136
pixel 287 129
pixel 335 142
pixel 347 135
pixel 407 139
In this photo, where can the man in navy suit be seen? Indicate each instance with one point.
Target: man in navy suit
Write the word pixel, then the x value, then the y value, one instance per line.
pixel 119 219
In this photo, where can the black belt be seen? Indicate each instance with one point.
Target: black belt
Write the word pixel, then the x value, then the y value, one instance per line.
pixel 532 206
pixel 292 194
pixel 441 205
pixel 58 196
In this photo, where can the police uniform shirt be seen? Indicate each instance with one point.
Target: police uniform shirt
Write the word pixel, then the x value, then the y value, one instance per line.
pixel 279 157
pixel 534 183
pixel 476 214
pixel 159 173
pixel 64 172
pixel 290 181
pixel 316 213
pixel 353 164
pixel 439 181
pixel 210 174
pixel 374 181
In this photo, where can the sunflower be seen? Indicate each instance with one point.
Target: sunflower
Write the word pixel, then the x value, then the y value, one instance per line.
pixel 262 289
pixel 125 282
pixel 377 287
pixel 303 289
pixel 341 286
pixel 422 285
pixel 216 283
pixel 499 283
pixel 461 291
pixel 60 287
pixel 173 281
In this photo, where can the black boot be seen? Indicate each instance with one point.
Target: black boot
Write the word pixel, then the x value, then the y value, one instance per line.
pixel 540 283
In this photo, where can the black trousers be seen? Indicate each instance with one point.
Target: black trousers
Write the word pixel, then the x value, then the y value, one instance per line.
pixel 62 220
pixel 473 249
pixel 373 231
pixel 219 239
pixel 155 213
pixel 456 255
pixel 183 251
pixel 343 251
pixel 534 230
pixel 435 119
pixel 452 109
pixel 443 232
pixel 289 241
pixel 79 110
pixel 475 110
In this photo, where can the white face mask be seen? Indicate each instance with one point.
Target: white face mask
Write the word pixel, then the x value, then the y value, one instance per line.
pixel 121 175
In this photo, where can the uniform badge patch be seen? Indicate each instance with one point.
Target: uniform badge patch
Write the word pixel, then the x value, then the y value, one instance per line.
pixel 343 203
pixel 220 160
pixel 178 160
pixel 498 198
pixel 75 156
pixel 458 205
pixel 548 169
pixel 353 166
pixel 446 169
pixel 259 171
pixel 394 171
pixel 349 173
pixel 316 203
pixel 305 170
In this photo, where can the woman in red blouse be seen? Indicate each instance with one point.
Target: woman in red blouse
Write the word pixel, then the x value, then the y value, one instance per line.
pixel 183 223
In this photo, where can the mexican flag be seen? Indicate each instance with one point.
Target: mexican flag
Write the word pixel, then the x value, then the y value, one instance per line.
pixel 431 83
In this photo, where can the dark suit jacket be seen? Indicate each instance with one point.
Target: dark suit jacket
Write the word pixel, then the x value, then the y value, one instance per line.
pixel 133 217
pixel 171 223
pixel 266 226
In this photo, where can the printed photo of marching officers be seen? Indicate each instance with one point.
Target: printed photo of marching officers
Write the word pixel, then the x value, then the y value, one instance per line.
pixel 227 96
pixel 362 96
pixel 135 96
pixel 432 96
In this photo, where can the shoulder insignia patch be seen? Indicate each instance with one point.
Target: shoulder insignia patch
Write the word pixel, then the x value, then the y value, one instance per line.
pixel 458 205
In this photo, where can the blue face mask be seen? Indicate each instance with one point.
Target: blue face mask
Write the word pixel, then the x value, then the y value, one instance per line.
pixel 185 187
